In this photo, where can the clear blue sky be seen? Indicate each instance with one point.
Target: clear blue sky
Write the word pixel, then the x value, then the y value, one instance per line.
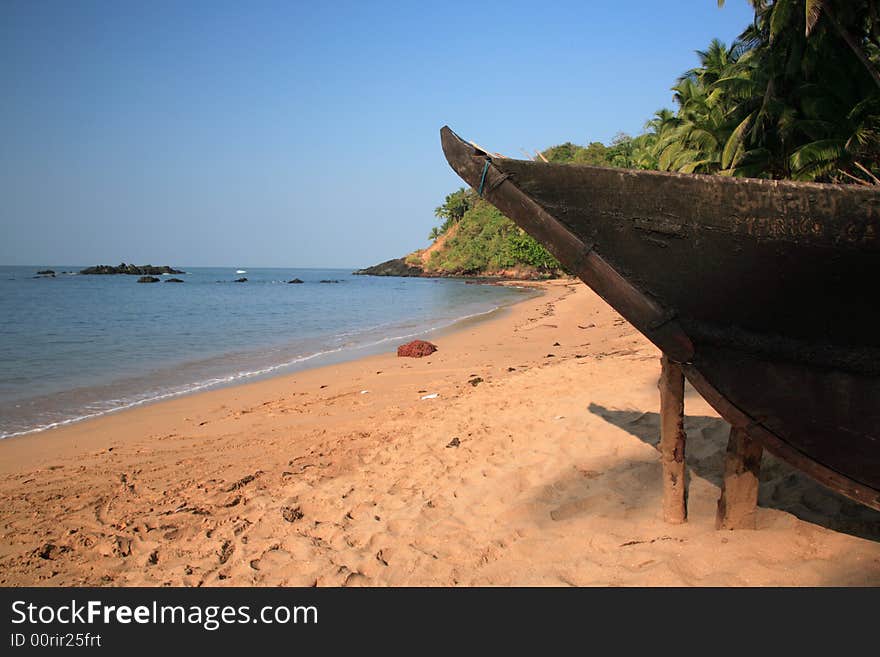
pixel 288 134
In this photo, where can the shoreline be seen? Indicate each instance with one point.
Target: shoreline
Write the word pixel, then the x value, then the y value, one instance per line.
pixel 534 464
pixel 326 358
pixel 336 359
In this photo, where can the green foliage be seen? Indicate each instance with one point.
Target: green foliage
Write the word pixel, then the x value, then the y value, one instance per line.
pixel 562 153
pixel 453 209
pixel 622 153
pixel 487 241
pixel 521 248
pixel 414 259
pixel 796 96
pixel 594 153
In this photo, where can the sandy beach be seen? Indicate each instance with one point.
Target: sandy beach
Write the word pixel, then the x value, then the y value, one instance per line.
pixel 523 452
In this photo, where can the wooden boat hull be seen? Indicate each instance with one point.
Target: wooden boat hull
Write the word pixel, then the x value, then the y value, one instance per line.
pixel 763 290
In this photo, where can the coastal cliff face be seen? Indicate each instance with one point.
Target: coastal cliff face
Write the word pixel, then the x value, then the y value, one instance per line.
pixel 400 267
pixel 395 267
pixel 483 243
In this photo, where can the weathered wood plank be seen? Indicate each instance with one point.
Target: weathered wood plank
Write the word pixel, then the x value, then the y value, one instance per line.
pixel 738 505
pixel 672 441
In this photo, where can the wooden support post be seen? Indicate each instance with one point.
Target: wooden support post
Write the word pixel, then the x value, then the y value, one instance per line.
pixel 738 505
pixel 672 441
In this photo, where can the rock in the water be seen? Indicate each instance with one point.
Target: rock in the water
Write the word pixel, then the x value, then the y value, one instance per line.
pixel 148 279
pixel 396 267
pixel 330 281
pixel 295 280
pixel 46 272
pixel 240 280
pixel 173 280
pixel 135 270
pixel 416 349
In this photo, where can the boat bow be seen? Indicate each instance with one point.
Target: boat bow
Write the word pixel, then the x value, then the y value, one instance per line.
pixel 838 446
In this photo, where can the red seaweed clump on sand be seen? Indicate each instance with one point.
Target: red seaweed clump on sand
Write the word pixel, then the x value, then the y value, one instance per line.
pixel 416 349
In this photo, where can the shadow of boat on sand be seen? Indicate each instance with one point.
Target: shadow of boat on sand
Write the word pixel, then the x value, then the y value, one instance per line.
pixel 782 487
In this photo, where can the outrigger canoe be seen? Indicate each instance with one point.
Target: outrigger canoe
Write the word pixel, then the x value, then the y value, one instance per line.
pixel 766 292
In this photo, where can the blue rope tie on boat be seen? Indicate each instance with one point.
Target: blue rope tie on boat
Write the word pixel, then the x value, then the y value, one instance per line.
pixel 483 177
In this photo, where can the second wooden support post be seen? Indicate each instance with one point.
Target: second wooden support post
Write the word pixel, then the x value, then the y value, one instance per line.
pixel 672 441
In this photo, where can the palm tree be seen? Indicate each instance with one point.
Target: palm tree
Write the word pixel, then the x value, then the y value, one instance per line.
pixel 694 142
pixel 806 99
pixel 856 22
pixel 848 20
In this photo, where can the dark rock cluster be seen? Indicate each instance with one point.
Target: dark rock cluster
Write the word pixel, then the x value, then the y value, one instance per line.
pixel 135 270
pixel 396 267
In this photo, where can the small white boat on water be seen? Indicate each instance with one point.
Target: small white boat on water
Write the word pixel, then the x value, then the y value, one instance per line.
pixel 241 271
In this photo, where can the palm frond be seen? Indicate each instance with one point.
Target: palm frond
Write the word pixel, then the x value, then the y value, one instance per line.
pixel 817 158
pixel 812 11
pixel 735 145
pixel 779 18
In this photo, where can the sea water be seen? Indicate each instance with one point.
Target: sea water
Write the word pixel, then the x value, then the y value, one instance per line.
pixel 79 346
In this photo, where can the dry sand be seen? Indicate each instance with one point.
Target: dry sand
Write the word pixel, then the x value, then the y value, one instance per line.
pixel 544 473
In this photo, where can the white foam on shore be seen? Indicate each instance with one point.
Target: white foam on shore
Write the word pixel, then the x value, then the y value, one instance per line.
pixel 217 382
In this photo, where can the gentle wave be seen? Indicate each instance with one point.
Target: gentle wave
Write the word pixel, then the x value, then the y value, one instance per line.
pixel 240 376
